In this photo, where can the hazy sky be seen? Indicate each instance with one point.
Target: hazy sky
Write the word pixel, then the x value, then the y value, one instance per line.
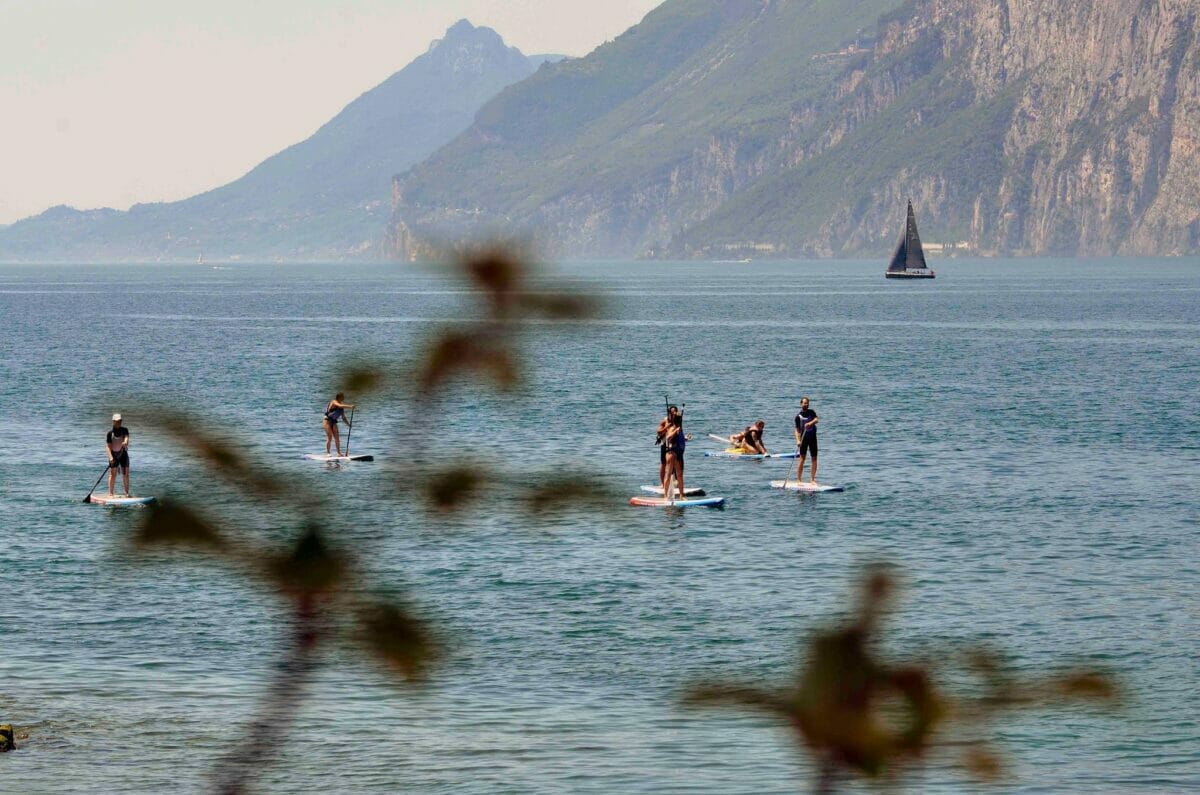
pixel 112 102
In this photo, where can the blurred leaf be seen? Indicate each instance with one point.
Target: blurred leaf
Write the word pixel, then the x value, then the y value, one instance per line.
pixel 225 460
pixel 497 271
pixel 574 491
pixel 457 352
pixel 982 763
pixel 360 378
pixel 452 488
pixel 999 683
pixel 170 524
pixel 718 694
pixel 878 586
pixel 311 567
pixel 561 306
pixel 922 708
pixel 1087 686
pixel 398 639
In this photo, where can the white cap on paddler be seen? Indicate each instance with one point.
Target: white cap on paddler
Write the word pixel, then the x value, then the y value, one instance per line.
pixel 116 418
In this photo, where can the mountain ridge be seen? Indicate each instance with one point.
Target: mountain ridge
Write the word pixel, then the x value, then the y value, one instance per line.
pixel 798 128
pixel 325 197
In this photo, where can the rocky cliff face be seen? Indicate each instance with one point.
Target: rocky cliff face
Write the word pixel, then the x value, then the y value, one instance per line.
pixel 1017 126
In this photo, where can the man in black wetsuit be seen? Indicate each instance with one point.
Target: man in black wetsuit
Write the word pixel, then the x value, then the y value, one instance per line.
pixel 116 444
pixel 806 438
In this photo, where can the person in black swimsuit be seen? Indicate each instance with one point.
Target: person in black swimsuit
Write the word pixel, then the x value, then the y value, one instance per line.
pixel 116 444
pixel 806 438
pixel 660 440
pixel 752 439
pixel 334 411
pixel 674 443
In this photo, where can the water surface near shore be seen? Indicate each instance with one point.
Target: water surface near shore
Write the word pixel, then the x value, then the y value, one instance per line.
pixel 1022 438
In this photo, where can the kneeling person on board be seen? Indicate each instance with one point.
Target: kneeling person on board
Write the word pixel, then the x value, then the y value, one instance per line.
pixel 806 438
pixel 336 410
pixel 751 439
pixel 117 447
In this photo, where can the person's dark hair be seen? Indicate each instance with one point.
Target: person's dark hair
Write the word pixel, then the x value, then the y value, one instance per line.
pixel 760 424
pixel 339 397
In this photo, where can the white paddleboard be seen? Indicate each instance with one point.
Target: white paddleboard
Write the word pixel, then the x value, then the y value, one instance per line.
pixel 686 492
pixel 809 486
pixel 119 500
pixel 324 457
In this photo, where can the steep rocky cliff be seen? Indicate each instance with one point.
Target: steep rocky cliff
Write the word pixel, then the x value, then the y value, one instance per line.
pixel 798 128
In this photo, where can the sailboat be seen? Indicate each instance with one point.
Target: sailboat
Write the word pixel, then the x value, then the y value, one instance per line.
pixel 909 260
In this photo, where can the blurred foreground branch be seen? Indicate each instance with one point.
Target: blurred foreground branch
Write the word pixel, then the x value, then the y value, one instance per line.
pixel 860 715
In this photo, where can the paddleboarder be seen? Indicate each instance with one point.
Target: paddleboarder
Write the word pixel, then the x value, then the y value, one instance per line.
pixel 751 439
pixel 660 440
pixel 334 411
pixel 116 444
pixel 806 438
pixel 674 442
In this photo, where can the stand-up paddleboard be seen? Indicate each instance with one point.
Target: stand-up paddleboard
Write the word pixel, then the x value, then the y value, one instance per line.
pixel 733 452
pixel 119 500
pixel 686 492
pixel 809 486
pixel 659 502
pixel 324 457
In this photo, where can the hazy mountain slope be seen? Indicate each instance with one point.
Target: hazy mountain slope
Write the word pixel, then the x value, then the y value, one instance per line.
pixel 609 153
pixel 780 128
pixel 326 197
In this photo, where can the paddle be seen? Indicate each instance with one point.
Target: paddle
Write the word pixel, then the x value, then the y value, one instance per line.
pixel 88 498
pixel 722 439
pixel 788 474
pixel 348 432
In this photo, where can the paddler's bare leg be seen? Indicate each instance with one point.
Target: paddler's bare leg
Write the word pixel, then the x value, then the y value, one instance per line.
pixel 125 479
pixel 814 468
pixel 112 479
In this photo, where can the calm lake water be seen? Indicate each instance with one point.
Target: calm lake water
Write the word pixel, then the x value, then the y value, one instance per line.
pixel 1021 438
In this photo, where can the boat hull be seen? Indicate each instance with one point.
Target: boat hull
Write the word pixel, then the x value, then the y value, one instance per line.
pixel 909 274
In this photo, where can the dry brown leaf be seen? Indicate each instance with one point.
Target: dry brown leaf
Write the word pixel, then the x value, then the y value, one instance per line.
pixel 171 524
pixel 398 639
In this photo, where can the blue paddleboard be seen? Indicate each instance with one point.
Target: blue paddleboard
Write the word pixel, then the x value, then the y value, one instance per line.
pixel 659 502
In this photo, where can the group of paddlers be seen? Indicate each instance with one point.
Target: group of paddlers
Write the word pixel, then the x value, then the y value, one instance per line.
pixel 672 441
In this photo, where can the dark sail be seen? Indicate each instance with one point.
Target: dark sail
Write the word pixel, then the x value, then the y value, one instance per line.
pixel 909 254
